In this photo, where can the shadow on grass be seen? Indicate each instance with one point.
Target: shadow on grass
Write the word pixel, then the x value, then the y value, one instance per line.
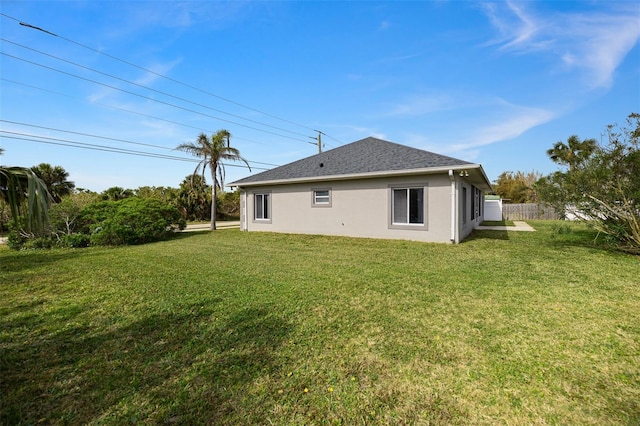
pixel 487 234
pixel 17 261
pixel 563 235
pixel 557 235
pixel 184 235
pixel 184 366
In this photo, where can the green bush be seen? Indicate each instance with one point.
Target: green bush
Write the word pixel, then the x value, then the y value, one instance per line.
pixel 74 240
pixel 15 240
pixel 42 242
pixel 130 221
pixel 19 241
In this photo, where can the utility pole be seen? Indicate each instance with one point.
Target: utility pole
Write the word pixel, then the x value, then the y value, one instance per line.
pixel 319 139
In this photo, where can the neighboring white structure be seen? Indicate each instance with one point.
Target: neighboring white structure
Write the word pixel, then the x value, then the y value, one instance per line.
pixel 571 212
pixel 369 188
pixel 492 208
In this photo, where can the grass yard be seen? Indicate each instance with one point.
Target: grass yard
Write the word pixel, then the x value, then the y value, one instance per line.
pixel 255 328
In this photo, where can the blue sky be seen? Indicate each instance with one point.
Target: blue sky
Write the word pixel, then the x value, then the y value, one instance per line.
pixel 495 83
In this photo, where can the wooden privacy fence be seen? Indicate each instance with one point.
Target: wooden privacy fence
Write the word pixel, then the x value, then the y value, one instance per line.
pixel 528 211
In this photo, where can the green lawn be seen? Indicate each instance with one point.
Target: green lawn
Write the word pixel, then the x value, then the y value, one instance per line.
pixel 256 328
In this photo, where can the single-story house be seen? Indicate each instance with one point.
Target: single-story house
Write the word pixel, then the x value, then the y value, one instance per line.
pixel 369 188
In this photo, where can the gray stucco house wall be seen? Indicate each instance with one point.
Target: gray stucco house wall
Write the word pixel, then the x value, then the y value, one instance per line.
pixel 369 188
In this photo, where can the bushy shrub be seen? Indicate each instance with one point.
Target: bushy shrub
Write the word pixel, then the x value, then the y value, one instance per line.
pixel 130 221
pixel 65 215
pixel 20 241
pixel 601 186
pixel 43 242
pixel 74 240
pixel 15 240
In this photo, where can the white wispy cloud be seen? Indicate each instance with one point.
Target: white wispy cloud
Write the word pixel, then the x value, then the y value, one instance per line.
pixel 476 120
pixel 188 13
pixel 421 105
pixel 146 79
pixel 511 123
pixel 402 57
pixel 512 25
pixel 593 42
pixel 180 16
pixel 157 69
pixel 600 43
pixel 465 133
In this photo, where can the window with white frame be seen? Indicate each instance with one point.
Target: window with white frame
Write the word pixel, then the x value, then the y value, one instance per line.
pixel 407 206
pixel 262 206
pixel 321 197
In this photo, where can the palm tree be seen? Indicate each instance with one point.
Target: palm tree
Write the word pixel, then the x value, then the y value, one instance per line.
pixel 573 153
pixel 116 193
pixel 20 186
pixel 193 198
pixel 212 151
pixel 56 180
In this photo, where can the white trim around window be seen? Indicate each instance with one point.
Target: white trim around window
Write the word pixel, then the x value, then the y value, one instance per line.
pixel 321 197
pixel 408 206
pixel 262 207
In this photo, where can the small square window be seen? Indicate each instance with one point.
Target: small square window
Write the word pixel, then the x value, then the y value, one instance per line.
pixel 321 198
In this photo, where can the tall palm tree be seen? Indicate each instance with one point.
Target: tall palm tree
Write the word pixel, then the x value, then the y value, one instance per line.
pixel 212 151
pixel 56 180
pixel 573 153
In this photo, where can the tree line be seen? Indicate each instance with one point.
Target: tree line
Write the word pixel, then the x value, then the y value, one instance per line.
pixel 41 207
pixel 598 183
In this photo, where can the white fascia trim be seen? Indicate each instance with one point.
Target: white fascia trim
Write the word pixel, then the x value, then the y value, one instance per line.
pixel 389 173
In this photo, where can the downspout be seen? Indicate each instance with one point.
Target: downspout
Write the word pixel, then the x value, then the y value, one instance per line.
pixel 453 205
pixel 243 210
pixel 246 210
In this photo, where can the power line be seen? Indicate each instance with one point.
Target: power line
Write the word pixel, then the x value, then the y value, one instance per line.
pixel 107 138
pixel 146 97
pixel 101 104
pixel 76 144
pixel 155 73
pixel 334 139
pixel 83 145
pixel 84 134
pixel 149 88
pixel 119 108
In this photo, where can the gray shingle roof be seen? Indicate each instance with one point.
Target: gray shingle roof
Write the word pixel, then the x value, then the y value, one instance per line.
pixel 369 155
